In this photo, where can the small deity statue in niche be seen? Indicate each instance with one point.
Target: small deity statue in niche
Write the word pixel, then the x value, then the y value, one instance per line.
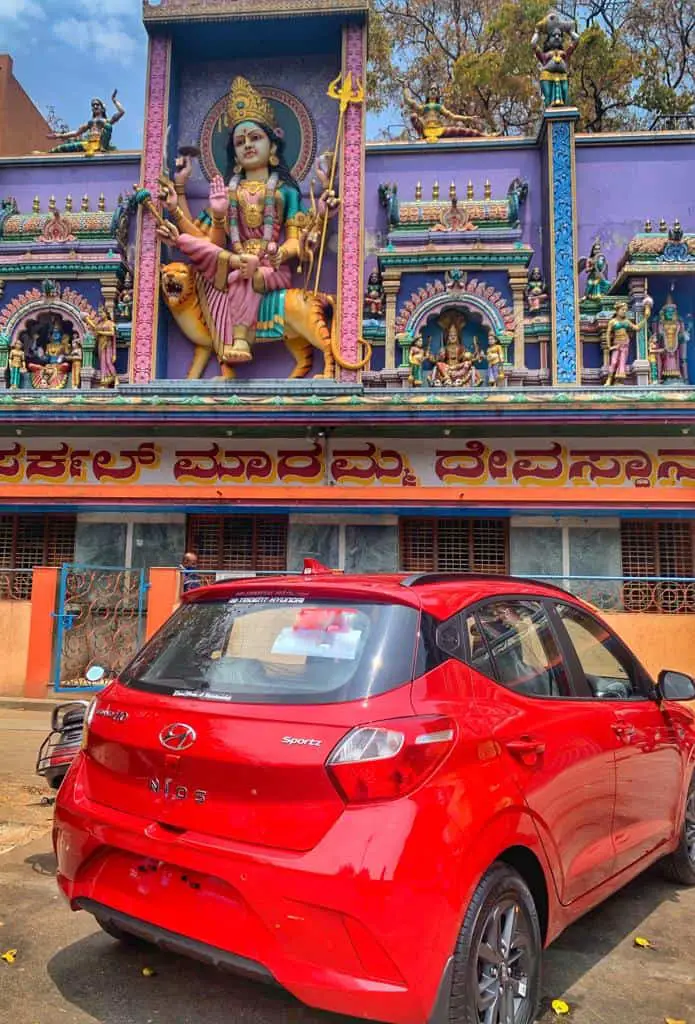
pixel 76 357
pixel 95 135
pixel 104 330
pixel 35 351
pixel 373 307
pixel 124 302
pixel 494 355
pixel 596 266
pixel 553 55
pixel 455 365
pixel 241 249
pixel 672 335
pixel 418 355
pixel 17 364
pixel 618 341
pixel 655 355
pixel 432 120
pixel 52 371
pixel 536 291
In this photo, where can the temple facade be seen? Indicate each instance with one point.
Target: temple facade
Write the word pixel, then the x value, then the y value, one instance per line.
pixel 264 338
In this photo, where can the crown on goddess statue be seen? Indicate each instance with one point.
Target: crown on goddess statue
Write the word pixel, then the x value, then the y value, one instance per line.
pixel 246 104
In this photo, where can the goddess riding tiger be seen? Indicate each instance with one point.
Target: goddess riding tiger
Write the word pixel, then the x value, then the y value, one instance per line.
pixel 241 247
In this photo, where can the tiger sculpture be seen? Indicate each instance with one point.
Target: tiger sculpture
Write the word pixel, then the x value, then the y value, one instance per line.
pixel 306 327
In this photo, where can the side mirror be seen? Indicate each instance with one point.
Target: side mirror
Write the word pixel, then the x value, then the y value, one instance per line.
pixel 675 686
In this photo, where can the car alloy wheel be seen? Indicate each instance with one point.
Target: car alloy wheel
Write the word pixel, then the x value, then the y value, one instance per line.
pixel 504 965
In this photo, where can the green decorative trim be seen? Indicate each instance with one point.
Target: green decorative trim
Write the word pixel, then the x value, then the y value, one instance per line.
pixel 25 269
pixel 432 258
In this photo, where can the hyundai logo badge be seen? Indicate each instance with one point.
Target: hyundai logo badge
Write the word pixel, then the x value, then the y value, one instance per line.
pixel 178 736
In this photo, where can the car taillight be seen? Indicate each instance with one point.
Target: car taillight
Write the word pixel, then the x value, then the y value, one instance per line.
pixel 388 760
pixel 88 719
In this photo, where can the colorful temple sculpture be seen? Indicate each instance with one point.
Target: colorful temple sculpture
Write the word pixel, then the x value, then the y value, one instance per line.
pixel 264 337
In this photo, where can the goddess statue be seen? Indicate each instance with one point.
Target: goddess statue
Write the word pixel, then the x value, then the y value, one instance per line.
pixel 374 297
pixel 95 135
pixel 455 365
pixel 241 249
pixel 596 266
pixel 536 291
pixel 618 341
pixel 52 371
pixel 16 363
pixel 104 330
pixel 672 335
pixel 432 120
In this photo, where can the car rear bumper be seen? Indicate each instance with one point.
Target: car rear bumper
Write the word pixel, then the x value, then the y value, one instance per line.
pixel 351 940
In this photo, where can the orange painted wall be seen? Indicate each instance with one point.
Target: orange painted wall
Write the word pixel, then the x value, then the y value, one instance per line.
pixel 23 127
pixel 15 618
pixel 162 598
pixel 659 641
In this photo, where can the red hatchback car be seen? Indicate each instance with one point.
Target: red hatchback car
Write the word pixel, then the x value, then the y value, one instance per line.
pixel 384 793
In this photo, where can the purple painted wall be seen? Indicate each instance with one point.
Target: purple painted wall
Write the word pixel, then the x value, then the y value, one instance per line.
pixel 26 178
pixel 428 164
pixel 620 186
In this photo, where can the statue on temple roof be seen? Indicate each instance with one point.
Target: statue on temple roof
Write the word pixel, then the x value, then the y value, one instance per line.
pixel 94 136
pixel 672 336
pixel 617 342
pixel 553 54
pixel 536 291
pixel 432 120
pixel 374 297
pixel 596 266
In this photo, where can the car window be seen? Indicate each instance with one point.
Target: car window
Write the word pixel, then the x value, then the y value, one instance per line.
pixel 513 642
pixel 610 671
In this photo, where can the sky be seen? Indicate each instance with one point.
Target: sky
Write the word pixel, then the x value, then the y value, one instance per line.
pixel 67 51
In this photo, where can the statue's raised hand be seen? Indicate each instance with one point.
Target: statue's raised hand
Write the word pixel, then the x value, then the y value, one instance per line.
pixel 219 200
pixel 184 169
pixel 167 195
pixel 168 232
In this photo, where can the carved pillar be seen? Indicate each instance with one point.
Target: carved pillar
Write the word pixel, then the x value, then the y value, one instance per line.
pixel 518 279
pixel 109 289
pixel 637 288
pixel 392 287
pixel 351 249
pixel 562 233
pixel 146 305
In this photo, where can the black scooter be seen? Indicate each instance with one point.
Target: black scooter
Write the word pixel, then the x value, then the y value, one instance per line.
pixel 60 747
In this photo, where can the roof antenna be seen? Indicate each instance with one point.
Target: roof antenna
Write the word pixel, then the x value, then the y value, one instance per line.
pixel 312 567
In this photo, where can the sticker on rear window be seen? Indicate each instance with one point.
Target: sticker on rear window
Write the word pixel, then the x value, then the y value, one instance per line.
pixel 266 600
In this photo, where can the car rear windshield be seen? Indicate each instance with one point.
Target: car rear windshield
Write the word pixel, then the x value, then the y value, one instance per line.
pixel 279 650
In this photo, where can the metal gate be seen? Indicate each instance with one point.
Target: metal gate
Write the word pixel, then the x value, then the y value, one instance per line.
pixel 100 620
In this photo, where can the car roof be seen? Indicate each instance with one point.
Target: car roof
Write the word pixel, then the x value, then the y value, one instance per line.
pixel 440 594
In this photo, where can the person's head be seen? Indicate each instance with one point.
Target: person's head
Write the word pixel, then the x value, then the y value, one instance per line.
pixel 98 108
pixel 621 310
pixel 189 560
pixel 255 140
pixel 433 94
pixel 536 275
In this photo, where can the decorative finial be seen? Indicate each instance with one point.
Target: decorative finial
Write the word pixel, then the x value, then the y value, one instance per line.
pixel 435 190
pixel 470 192
pixel 663 226
pixel 452 193
pixel 52 204
pixel 648 226
pixel 418 192
pixel 68 204
pixel 102 202
pixel 84 205
pixel 488 190
pixel 36 205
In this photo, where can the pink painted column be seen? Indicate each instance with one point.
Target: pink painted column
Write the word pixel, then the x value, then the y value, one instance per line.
pixel 351 189
pixel 146 304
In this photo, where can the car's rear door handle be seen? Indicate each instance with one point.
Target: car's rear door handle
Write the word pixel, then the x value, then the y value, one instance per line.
pixel 526 748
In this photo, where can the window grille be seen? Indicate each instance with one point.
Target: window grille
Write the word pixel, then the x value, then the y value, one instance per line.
pixel 658 548
pixel 454 545
pixel 28 540
pixel 239 543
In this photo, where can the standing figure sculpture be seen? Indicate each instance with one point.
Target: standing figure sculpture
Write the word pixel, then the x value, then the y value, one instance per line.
pixel 104 330
pixel 618 341
pixel 373 308
pixel 536 291
pixel 672 336
pixel 17 364
pixel 553 55
pixel 432 120
pixel 241 249
pixel 495 364
pixel 417 356
pixel 95 135
pixel 596 265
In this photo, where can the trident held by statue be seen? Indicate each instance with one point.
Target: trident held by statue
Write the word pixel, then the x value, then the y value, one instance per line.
pixel 345 91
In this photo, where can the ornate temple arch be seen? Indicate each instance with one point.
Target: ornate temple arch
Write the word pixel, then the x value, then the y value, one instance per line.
pixel 470 296
pixel 66 302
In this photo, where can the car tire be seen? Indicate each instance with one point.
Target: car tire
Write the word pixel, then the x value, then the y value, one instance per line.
pixel 487 968
pixel 125 938
pixel 679 866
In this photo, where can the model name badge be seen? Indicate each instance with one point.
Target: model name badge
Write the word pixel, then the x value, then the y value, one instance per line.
pixel 116 716
pixel 300 741
pixel 171 790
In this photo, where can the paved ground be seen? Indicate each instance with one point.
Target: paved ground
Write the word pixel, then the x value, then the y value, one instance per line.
pixel 67 972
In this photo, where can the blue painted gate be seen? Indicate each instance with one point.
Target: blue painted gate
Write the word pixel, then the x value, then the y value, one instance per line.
pixel 100 620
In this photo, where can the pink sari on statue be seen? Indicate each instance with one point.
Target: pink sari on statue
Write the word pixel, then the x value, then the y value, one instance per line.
pixel 239 304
